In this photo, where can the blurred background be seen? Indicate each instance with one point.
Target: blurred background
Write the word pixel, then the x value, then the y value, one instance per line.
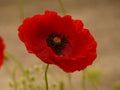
pixel 101 17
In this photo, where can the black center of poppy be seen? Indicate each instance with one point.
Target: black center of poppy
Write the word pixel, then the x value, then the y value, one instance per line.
pixel 57 42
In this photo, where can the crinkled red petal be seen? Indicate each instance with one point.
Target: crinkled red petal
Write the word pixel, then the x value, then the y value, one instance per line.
pixel 2 47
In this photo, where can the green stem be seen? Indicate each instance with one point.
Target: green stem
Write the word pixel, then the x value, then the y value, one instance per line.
pixel 21 9
pixel 13 76
pixel 94 86
pixel 8 55
pixel 93 83
pixel 83 80
pixel 14 79
pixel 70 81
pixel 62 7
pixel 61 85
pixel 46 79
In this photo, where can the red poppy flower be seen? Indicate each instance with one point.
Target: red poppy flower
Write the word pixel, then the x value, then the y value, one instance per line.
pixel 59 40
pixel 2 46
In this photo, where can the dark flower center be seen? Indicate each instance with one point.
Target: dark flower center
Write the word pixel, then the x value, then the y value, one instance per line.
pixel 57 42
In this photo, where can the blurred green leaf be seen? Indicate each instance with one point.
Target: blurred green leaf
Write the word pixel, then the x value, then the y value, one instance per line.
pixel 94 75
pixel 61 86
pixel 116 85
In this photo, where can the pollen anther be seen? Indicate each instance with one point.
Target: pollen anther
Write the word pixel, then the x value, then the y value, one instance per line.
pixel 57 40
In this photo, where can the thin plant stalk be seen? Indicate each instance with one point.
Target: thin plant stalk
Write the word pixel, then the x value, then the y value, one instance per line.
pixel 46 78
pixel 70 81
pixel 14 79
pixel 83 80
pixel 21 9
pixel 61 86
pixel 8 55
pixel 94 86
pixel 62 7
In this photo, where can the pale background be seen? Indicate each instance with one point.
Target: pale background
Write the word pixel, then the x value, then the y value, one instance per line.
pixel 102 17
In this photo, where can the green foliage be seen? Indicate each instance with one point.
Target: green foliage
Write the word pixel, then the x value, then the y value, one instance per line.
pixel 27 80
pixel 116 85
pixel 11 84
pixel 93 75
pixel 37 68
pixel 61 86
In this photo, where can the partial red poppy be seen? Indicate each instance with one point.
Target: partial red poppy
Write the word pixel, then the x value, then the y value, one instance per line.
pixel 59 40
pixel 2 46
